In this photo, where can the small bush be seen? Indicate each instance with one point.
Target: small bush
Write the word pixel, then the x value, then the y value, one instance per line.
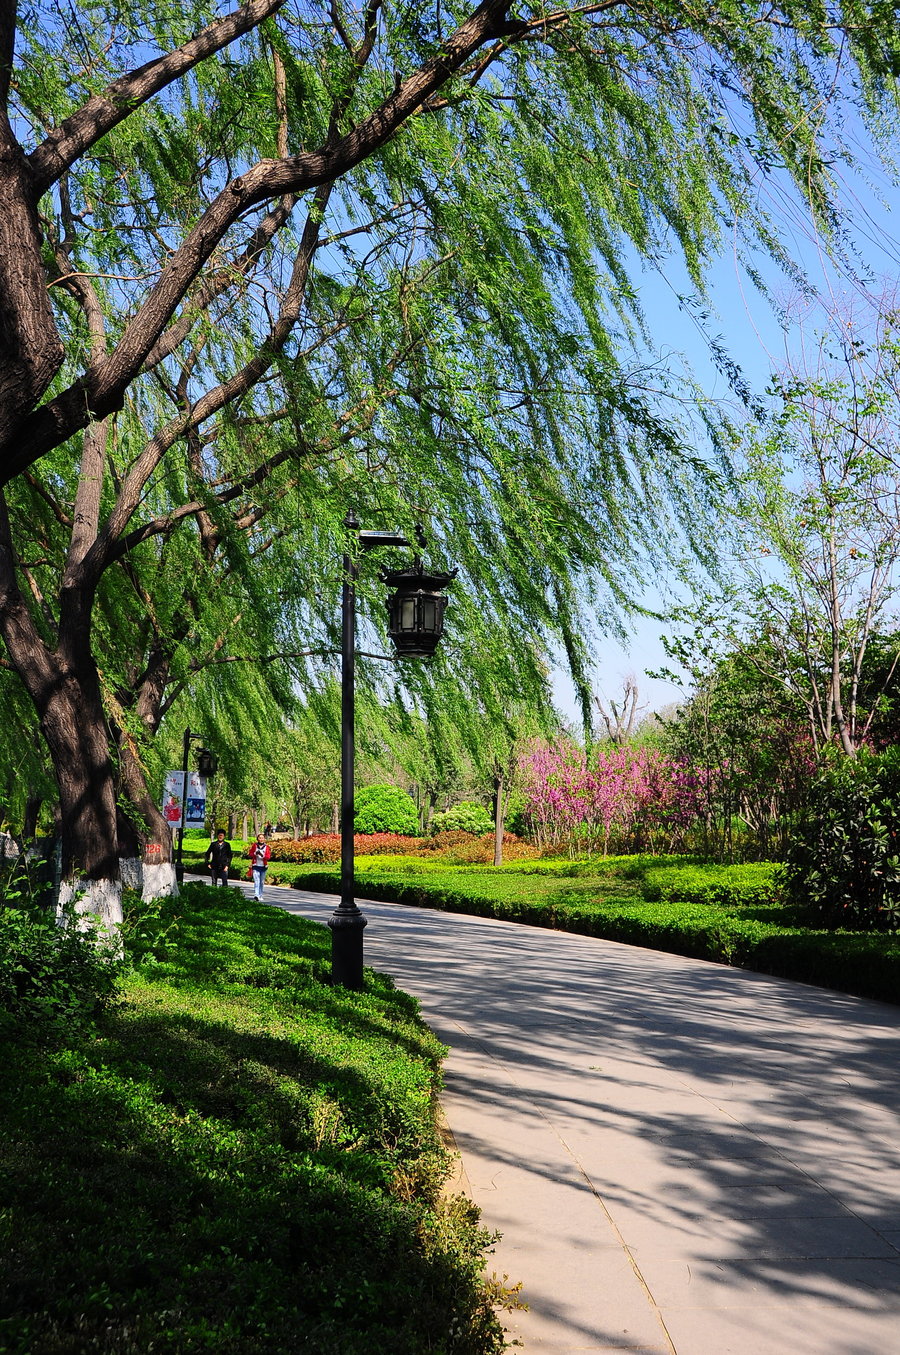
pixel 448 840
pixel 52 976
pixel 843 865
pixel 467 817
pixel 385 809
pixel 481 851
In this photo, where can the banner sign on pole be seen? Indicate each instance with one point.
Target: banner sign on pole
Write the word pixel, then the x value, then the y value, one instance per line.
pixel 196 800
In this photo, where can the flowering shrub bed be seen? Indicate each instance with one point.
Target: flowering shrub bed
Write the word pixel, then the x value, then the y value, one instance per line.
pixel 325 848
pixel 467 848
pixel 617 798
pixel 480 850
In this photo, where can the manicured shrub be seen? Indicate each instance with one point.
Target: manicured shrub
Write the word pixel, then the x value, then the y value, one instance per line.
pixel 758 882
pixel 467 817
pixel 843 865
pixel 384 809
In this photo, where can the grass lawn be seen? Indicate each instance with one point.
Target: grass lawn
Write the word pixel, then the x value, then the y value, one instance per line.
pixel 236 1158
pixel 729 914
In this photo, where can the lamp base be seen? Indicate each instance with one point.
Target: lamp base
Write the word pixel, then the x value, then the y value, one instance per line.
pixel 347 926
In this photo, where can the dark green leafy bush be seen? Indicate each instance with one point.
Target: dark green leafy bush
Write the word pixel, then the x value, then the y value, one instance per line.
pixel 843 865
pixel 52 975
pixel 385 809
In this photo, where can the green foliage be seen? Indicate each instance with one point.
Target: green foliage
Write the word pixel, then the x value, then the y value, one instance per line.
pixel 183 1181
pixel 608 899
pixel 466 817
pixel 54 976
pixel 843 865
pixel 385 809
pixel 754 883
pixel 465 331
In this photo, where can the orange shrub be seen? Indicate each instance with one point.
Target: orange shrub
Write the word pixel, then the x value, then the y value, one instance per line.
pixel 325 848
pixel 448 841
pixel 467 849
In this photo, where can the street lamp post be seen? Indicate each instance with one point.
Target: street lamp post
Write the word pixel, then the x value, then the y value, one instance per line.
pixel 415 624
pixel 207 766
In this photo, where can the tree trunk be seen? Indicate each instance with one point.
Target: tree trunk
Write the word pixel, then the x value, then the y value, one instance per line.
pixel 153 838
pixel 74 726
pixel 499 816
pixel 130 868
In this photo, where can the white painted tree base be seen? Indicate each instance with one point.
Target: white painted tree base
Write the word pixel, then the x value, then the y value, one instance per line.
pixel 131 872
pixel 159 881
pixel 99 901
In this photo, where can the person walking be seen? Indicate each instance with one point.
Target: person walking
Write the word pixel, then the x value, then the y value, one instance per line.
pixel 218 858
pixel 259 854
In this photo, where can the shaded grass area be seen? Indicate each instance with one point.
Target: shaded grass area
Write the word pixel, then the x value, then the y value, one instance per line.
pixel 237 1159
pixel 731 915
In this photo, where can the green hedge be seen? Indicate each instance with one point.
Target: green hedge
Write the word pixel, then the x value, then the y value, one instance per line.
pixel 754 930
pixel 758 882
pixel 240 1160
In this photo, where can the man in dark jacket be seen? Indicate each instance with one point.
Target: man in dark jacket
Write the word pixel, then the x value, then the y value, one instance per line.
pixel 218 858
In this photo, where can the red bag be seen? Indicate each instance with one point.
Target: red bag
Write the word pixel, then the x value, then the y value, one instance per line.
pixel 250 873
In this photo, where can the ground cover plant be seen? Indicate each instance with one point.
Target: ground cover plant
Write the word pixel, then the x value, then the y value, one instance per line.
pixel 729 914
pixel 235 1158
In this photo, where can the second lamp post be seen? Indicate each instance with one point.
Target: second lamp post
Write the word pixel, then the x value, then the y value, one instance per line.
pixel 415 624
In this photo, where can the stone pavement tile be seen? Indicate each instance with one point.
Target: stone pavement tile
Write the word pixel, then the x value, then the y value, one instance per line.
pixel 782 1329
pixel 859 1285
pixel 759 1202
pixel 602 1306
pixel 870 1190
pixel 712 1238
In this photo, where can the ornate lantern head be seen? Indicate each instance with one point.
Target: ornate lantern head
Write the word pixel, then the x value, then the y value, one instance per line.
pixel 207 762
pixel 416 608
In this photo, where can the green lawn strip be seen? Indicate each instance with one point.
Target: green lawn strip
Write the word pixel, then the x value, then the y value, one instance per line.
pixel 238 1159
pixel 608 899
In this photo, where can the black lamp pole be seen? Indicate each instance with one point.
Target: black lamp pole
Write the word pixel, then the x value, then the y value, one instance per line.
pixel 208 763
pixel 186 748
pixel 347 922
pixel 415 612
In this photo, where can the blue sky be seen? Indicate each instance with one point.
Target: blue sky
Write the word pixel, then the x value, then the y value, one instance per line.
pixel 754 336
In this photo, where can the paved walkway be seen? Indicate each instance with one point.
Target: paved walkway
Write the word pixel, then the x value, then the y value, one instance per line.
pixel 683 1159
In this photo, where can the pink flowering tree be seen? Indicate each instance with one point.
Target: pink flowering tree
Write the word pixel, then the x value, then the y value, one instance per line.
pixel 632 798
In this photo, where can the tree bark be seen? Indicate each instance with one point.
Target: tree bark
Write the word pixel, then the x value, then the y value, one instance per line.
pixel 31 346
pixel 499 816
pixel 152 836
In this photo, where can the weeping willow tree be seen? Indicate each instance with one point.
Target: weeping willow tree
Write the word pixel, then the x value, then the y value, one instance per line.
pixel 262 264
